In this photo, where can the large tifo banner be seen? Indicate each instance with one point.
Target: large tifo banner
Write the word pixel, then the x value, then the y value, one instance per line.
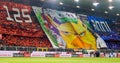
pixel 63 29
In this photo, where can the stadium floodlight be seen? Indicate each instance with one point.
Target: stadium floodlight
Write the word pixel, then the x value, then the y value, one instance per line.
pixel 60 3
pixel 106 12
pixel 43 0
pixel 92 9
pixel 96 3
pixel 110 0
pixel 117 14
pixel 76 0
pixel 77 6
pixel 111 7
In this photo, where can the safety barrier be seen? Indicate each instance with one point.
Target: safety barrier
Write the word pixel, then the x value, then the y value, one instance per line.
pixel 55 54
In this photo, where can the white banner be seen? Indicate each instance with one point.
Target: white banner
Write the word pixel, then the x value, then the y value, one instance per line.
pixel 86 55
pixel 7 53
pixel 65 55
pixel 37 54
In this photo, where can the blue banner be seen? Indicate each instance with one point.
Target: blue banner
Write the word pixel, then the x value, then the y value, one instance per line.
pixel 103 27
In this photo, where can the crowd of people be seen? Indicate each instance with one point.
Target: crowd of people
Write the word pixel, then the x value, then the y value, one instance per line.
pixel 23 29
pixel 22 34
pixel 10 40
pixel 112 40
pixel 113 45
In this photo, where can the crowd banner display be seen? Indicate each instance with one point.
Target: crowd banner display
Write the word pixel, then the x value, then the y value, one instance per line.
pixel 44 24
pixel 99 24
pixel 23 12
pixel 65 30
pixel 104 27
pixel 17 22
pixel 87 22
pixel 48 28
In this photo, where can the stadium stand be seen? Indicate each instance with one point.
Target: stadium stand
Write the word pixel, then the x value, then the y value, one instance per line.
pixel 22 33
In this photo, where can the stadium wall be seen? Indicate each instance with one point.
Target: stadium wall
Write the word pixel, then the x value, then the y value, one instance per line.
pixel 56 54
